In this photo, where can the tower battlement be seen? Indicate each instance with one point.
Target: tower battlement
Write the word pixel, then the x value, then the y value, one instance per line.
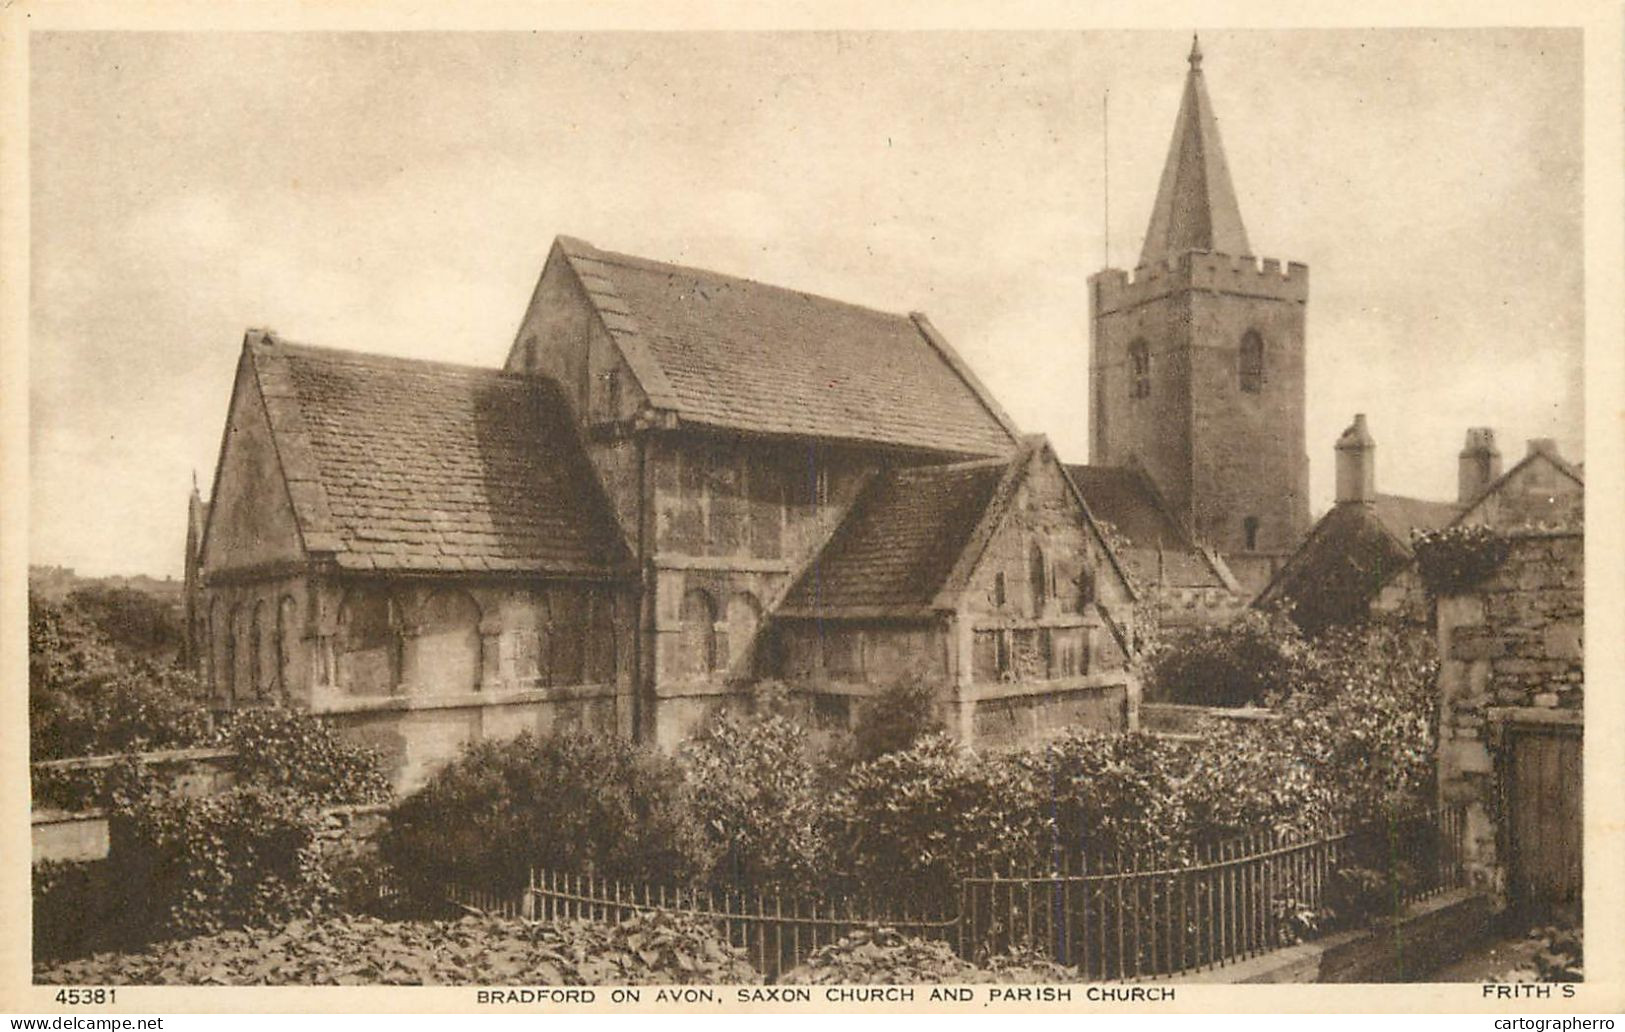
pixel 1117 289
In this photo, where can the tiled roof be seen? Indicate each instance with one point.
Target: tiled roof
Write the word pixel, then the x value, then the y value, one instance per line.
pixel 897 547
pixel 1402 515
pixel 394 464
pixel 1159 551
pixel 727 352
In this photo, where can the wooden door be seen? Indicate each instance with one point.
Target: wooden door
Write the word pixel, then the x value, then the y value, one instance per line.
pixel 1545 819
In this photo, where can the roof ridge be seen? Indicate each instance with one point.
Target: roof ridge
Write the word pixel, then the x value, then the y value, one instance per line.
pixel 575 247
pixel 320 352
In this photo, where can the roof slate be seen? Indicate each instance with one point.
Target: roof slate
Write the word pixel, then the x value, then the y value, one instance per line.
pixel 1159 551
pixel 396 464
pixel 897 547
pixel 1401 515
pixel 728 352
pixel 1346 559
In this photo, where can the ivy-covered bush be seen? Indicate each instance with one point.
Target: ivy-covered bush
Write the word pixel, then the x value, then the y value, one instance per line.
pixel 293 750
pixel 1455 559
pixel 574 800
pixel 1110 795
pixel 1254 660
pixel 246 857
pixel 895 719
pixel 753 792
pixel 907 826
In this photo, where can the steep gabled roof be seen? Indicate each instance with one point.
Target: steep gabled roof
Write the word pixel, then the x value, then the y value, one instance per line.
pixel 1196 205
pixel 1574 471
pixel 1158 550
pixel 911 541
pixel 895 550
pixel 403 465
pixel 726 352
pixel 1332 577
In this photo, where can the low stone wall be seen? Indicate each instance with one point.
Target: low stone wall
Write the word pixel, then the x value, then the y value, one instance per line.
pixel 1015 714
pixel 1179 719
pixel 416 735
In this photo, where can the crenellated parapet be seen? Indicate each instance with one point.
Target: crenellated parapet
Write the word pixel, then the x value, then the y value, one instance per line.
pixel 1243 275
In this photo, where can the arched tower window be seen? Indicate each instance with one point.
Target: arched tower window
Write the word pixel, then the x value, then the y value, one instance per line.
pixel 1139 360
pixel 1251 367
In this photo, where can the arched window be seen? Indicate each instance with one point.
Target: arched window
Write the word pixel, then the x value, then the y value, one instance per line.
pixel 446 647
pixel 231 630
pixel 259 640
pixel 1249 527
pixel 284 642
pixel 699 634
pixel 1139 360
pixel 1037 577
pixel 369 659
pixel 1251 365
pixel 600 630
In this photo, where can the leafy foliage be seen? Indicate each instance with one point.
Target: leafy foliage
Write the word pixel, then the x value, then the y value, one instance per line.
pixel 571 801
pixel 659 949
pixel 885 956
pixel 248 856
pixel 1253 660
pixel 895 719
pixel 752 790
pixel 908 825
pixel 86 696
pixel 1559 956
pixel 293 750
pixel 1109 795
pixel 1455 559
pixel 134 622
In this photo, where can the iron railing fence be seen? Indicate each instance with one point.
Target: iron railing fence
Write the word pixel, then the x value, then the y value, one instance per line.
pixel 1120 917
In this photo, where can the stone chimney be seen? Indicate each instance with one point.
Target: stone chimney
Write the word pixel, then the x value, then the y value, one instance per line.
pixel 1356 464
pixel 1543 446
pixel 1480 464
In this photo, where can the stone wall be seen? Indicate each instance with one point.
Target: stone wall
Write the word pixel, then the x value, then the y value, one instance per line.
pixel 1511 651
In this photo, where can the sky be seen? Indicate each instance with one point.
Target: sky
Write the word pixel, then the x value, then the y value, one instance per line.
pixel 398 192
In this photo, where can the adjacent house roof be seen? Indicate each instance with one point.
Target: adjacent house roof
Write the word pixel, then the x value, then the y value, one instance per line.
pixel 1196 205
pixel 1571 470
pixel 911 540
pixel 395 464
pixel 1158 551
pixel 720 351
pixel 1350 553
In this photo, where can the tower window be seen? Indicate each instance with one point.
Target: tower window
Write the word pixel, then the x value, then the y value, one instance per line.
pixel 1249 527
pixel 1139 355
pixel 1251 367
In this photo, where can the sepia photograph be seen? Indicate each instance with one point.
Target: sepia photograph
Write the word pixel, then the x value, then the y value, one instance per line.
pixel 578 517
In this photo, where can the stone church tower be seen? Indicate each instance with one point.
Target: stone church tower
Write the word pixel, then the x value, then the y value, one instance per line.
pixel 1197 360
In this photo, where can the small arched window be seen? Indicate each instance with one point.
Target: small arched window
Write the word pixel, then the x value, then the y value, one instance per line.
pixel 1249 527
pixel 1038 577
pixel 699 633
pixel 1139 359
pixel 1251 367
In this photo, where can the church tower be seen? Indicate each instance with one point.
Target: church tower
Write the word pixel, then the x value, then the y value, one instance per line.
pixel 1197 360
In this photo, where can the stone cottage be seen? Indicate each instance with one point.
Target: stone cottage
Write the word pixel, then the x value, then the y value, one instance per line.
pixel 604 531
pixel 1357 559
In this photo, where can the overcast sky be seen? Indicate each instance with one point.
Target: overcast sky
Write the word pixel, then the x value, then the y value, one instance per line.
pixel 398 193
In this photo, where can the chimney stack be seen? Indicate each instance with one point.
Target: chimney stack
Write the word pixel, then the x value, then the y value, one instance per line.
pixel 1480 464
pixel 1543 446
pixel 1356 464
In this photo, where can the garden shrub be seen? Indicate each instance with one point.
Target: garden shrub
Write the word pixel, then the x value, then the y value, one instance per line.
pixel 250 856
pixel 1111 796
pixel 87 697
pixel 1253 660
pixel 293 750
pixel 574 801
pixel 754 793
pixel 907 826
pixel 895 719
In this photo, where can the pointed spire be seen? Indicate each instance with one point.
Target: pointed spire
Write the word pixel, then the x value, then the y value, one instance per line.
pixel 1196 206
